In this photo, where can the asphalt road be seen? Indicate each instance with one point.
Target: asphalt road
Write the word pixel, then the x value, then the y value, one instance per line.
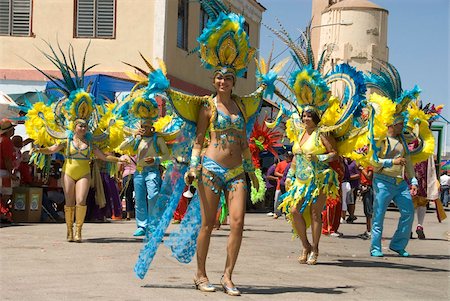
pixel 37 264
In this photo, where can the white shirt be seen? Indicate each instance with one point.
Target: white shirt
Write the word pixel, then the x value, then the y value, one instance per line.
pixel 445 180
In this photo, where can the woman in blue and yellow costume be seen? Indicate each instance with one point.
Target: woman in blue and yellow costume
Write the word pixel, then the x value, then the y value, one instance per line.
pixel 394 122
pixel 221 166
pixel 76 126
pixel 319 119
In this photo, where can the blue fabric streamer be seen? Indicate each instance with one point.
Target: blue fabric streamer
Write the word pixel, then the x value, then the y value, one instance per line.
pixel 170 193
pixel 183 242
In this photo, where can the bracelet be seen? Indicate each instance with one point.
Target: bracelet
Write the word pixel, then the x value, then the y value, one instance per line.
pixel 291 173
pixel 195 161
pixel 248 165
pixel 323 158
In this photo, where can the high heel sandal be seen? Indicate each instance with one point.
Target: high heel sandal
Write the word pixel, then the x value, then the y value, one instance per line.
pixel 232 291
pixel 312 259
pixel 204 285
pixel 304 257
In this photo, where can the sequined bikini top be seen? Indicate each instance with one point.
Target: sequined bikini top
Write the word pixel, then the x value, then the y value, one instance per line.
pixel 223 122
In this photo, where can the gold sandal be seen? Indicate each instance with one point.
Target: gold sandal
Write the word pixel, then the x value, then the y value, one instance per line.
pixel 203 284
pixel 304 257
pixel 312 259
pixel 232 291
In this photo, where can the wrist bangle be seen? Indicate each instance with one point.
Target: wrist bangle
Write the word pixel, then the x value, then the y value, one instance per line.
pixel 195 161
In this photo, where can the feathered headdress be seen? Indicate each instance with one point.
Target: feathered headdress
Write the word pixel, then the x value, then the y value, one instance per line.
pixel 311 86
pixel 224 44
pixel 141 105
pixel 387 81
pixel 76 103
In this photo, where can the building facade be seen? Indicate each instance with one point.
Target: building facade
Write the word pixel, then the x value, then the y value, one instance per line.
pixel 117 31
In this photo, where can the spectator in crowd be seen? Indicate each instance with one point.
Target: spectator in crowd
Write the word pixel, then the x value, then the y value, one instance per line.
pixel 352 179
pixel 271 185
pixel 279 173
pixel 128 171
pixel 367 198
pixel 6 169
pixel 445 186
pixel 25 170
pixel 354 183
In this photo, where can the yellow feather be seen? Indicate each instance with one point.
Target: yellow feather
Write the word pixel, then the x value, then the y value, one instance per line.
pixel 280 65
pixel 162 65
pixel 136 77
pixel 264 67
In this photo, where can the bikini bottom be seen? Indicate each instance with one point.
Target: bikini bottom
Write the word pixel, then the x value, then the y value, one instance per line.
pixel 218 178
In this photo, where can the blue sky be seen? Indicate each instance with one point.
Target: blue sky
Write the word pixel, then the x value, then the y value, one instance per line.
pixel 418 40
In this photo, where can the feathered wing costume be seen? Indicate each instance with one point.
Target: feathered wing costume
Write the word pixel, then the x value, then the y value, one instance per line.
pixel 309 86
pixel 364 141
pixel 224 47
pixel 428 183
pixel 52 122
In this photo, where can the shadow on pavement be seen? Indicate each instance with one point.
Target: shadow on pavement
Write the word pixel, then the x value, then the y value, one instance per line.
pixel 108 240
pixel 387 264
pixel 265 290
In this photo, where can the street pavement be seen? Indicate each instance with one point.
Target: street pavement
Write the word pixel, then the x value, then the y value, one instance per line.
pixel 37 264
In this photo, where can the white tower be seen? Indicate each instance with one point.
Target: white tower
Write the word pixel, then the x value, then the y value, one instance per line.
pixel 358 31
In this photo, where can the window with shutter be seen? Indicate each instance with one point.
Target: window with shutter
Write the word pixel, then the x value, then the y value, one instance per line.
pixel 95 18
pixel 203 19
pixel 182 24
pixel 15 17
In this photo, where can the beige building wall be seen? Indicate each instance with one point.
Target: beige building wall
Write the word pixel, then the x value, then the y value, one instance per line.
pixel 183 66
pixel 53 20
pixel 146 26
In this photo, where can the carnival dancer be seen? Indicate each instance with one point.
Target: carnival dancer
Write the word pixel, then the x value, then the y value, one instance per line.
pixel 228 119
pixel 77 126
pixel 151 151
pixel 388 133
pixel 312 130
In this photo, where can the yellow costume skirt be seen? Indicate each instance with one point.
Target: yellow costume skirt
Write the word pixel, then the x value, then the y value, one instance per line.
pixel 307 187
